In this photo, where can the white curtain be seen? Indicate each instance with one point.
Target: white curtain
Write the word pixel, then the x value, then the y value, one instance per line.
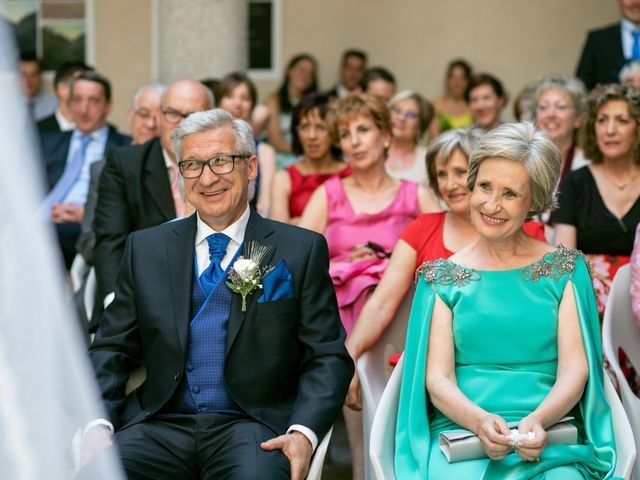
pixel 47 392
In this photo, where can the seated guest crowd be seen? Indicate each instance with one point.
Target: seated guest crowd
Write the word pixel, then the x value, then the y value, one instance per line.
pixel 247 257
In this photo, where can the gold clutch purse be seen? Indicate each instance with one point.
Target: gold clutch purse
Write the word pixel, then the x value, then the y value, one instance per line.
pixel 460 445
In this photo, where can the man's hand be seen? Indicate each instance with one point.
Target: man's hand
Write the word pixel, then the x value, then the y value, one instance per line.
pixel 297 448
pixel 354 399
pixel 95 440
pixel 67 213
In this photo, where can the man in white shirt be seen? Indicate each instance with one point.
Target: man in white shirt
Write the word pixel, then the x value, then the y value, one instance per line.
pixel 352 68
pixel 68 156
pixel 61 120
pixel 235 319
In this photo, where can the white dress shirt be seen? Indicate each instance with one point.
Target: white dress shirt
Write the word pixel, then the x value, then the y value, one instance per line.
pixel 64 124
pixel 235 232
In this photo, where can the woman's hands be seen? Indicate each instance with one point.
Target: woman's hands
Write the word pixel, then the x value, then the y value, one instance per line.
pixel 493 431
pixel 530 450
pixel 354 400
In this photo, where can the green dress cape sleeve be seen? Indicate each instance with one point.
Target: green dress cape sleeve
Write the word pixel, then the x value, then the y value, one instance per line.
pixel 595 458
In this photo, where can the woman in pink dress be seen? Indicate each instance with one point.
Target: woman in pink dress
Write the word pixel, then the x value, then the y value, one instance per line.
pixel 362 216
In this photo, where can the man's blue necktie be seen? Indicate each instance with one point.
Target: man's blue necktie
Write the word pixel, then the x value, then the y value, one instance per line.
pixel 70 174
pixel 635 49
pixel 217 249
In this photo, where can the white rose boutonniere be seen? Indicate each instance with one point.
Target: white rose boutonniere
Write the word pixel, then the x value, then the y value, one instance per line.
pixel 246 275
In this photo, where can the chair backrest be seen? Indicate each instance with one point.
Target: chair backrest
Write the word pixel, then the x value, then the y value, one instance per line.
pixel 90 292
pixel 619 330
pixel 78 272
pixel 317 462
pixel 374 369
pixel 625 444
pixel 383 430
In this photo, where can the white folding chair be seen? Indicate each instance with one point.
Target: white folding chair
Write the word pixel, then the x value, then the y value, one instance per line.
pixel 90 293
pixel 78 272
pixel 317 462
pixel 619 330
pixel 374 369
pixel 384 428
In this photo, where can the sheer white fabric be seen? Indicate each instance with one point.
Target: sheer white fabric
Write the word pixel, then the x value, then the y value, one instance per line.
pixel 46 389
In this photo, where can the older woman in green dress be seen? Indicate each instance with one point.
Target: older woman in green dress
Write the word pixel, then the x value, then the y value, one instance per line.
pixel 505 331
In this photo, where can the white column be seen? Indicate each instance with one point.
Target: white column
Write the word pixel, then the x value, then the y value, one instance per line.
pixel 199 38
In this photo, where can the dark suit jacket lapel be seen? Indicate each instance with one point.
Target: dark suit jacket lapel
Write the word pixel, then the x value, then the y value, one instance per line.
pixel 258 230
pixel 56 149
pixel 156 181
pixel 180 250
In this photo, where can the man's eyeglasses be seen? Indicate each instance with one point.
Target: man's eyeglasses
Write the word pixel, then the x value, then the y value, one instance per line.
pixel 173 116
pixel 220 165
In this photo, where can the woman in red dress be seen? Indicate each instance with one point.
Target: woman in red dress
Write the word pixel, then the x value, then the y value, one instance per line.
pixel 293 186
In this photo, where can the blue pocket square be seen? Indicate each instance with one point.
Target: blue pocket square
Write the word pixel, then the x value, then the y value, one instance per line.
pixel 277 284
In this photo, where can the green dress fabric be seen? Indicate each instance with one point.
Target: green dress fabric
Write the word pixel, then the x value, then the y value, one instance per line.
pixel 505 337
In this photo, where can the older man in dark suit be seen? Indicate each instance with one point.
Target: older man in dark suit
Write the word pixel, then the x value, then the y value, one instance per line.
pixel 607 48
pixel 68 156
pixel 139 186
pixel 236 321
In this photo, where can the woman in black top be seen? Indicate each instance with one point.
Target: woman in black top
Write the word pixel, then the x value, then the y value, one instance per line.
pixel 600 203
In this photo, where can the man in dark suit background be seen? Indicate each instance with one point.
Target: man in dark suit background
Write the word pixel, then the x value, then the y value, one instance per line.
pixel 138 187
pixel 68 156
pixel 607 48
pixel 61 120
pixel 144 118
pixel 228 383
pixel 352 67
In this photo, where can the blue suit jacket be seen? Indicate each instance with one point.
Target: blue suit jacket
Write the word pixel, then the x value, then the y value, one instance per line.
pixel 55 148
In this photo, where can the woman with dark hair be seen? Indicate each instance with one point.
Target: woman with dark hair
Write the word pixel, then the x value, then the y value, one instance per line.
pixel 300 80
pixel 293 186
pixel 237 94
pixel 452 110
pixel 600 203
pixel 487 98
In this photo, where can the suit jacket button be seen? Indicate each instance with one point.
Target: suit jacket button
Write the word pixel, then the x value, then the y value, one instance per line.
pixel 176 377
pixel 196 389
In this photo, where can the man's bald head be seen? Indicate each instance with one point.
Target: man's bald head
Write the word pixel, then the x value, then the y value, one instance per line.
pixel 181 98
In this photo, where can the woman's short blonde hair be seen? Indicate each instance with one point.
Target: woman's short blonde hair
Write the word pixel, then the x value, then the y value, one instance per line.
pixel 531 147
pixel 441 148
pixel 598 97
pixel 357 105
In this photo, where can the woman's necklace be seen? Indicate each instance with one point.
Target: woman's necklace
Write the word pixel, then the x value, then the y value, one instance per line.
pixel 617 183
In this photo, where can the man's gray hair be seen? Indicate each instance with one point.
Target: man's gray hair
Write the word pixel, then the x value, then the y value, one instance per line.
pixel 531 147
pixel 214 119
pixel 153 87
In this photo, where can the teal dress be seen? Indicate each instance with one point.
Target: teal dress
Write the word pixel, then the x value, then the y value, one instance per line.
pixel 505 326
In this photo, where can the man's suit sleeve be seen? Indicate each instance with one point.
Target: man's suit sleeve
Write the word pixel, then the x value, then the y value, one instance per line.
pixel 111 223
pixel 115 350
pixel 587 67
pixel 326 367
pixel 87 238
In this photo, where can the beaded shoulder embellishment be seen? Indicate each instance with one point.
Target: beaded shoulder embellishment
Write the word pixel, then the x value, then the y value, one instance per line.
pixel 554 264
pixel 444 272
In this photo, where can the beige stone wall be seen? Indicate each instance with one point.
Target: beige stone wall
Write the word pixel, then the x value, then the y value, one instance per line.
pixel 517 40
pixel 123 50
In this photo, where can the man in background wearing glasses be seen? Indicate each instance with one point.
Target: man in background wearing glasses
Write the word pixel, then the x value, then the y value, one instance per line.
pixel 240 383
pixel 140 187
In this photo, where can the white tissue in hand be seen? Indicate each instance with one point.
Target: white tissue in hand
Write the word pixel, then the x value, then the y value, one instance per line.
pixel 516 436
